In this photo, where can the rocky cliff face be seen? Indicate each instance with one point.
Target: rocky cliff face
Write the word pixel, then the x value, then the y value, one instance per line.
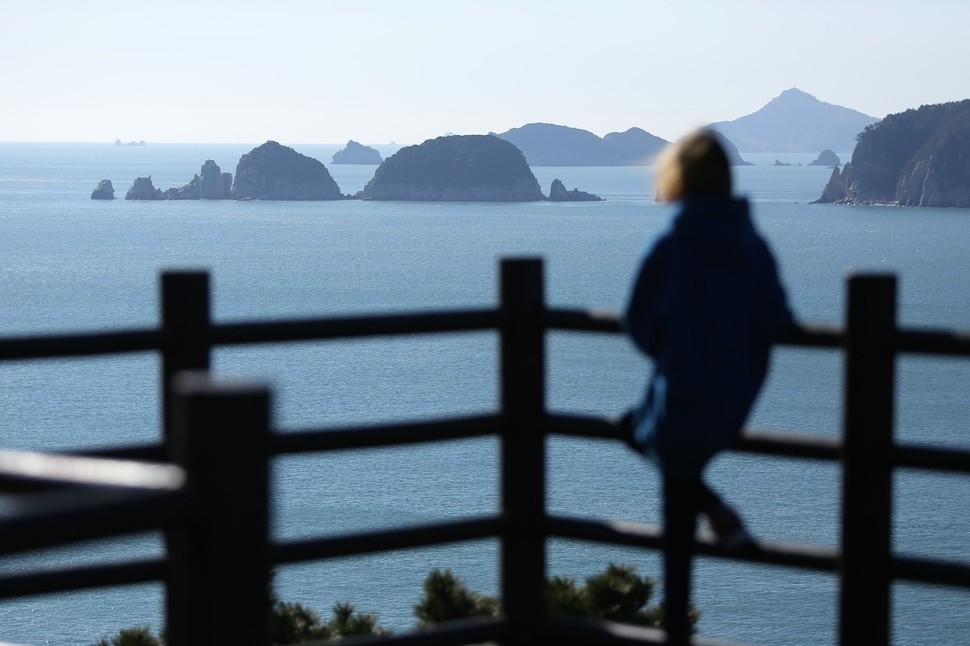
pixel 459 168
pixel 210 184
pixel 355 153
pixel 914 158
pixel 275 172
pixel 834 190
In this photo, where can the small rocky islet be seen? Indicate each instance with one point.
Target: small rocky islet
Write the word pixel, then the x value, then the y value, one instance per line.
pixel 103 191
pixel 466 168
pixel 355 153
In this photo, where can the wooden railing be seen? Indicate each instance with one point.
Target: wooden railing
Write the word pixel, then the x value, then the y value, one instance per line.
pixel 206 486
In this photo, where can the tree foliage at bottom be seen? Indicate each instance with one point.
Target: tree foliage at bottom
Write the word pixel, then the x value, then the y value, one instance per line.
pixel 617 594
pixel 138 636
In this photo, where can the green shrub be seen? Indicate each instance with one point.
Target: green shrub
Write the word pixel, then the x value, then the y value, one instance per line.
pixel 616 594
pixel 446 597
pixel 293 623
pixel 139 636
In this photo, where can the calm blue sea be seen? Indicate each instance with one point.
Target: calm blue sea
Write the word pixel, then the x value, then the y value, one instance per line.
pixel 68 263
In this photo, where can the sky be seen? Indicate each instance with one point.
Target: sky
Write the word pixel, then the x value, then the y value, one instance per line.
pixel 382 71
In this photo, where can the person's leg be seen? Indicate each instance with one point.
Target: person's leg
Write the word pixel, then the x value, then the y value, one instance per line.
pixel 707 498
pixel 724 521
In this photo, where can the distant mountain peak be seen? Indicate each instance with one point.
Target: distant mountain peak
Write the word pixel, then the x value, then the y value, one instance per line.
pixel 794 93
pixel 796 121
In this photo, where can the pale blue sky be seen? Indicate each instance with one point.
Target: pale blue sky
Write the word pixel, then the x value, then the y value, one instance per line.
pixel 392 70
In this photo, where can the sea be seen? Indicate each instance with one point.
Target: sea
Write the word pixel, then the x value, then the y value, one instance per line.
pixel 72 264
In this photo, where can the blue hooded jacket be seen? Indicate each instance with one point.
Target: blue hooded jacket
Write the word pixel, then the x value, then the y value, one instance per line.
pixel 706 306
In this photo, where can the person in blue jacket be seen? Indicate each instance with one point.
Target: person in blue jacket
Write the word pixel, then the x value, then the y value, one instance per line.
pixel 706 307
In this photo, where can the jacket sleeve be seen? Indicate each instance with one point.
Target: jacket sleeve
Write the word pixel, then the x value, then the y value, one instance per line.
pixel 642 320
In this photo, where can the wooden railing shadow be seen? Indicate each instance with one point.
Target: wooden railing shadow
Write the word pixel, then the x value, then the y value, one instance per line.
pixel 206 486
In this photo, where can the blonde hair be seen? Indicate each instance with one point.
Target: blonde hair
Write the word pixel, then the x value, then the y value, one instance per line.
pixel 694 166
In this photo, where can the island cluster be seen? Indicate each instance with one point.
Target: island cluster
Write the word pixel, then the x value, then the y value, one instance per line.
pixel 465 168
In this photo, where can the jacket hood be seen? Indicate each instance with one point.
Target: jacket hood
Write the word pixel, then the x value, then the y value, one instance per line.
pixel 717 228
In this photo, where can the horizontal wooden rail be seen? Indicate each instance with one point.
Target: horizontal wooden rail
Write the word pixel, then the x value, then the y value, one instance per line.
pixel 788 444
pixel 951 343
pixel 951 460
pixel 925 570
pixel 454 531
pixel 355 327
pixel 581 320
pixel 133 572
pixel 371 436
pixel 809 557
pixel 815 335
pixel 80 514
pixel 588 426
pixel 777 443
pixel 80 345
pixel 794 555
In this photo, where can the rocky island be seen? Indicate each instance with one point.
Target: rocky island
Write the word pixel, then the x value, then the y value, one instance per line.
pixel 143 189
pixel 210 184
pixel 276 172
pixel 267 172
pixel 913 158
pixel 826 158
pixel 558 193
pixel 355 153
pixel 457 168
pixel 103 191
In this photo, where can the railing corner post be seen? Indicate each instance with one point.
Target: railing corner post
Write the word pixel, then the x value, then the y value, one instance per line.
pixel 218 585
pixel 523 447
pixel 867 445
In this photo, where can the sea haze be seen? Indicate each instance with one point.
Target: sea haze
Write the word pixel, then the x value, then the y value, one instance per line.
pixel 73 264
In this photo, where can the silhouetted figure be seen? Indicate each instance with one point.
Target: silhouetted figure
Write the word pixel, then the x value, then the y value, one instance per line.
pixel 706 306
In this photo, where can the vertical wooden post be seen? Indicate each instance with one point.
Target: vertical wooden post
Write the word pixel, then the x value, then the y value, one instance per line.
pixel 185 322
pixel 523 447
pixel 219 560
pixel 866 467
pixel 680 508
